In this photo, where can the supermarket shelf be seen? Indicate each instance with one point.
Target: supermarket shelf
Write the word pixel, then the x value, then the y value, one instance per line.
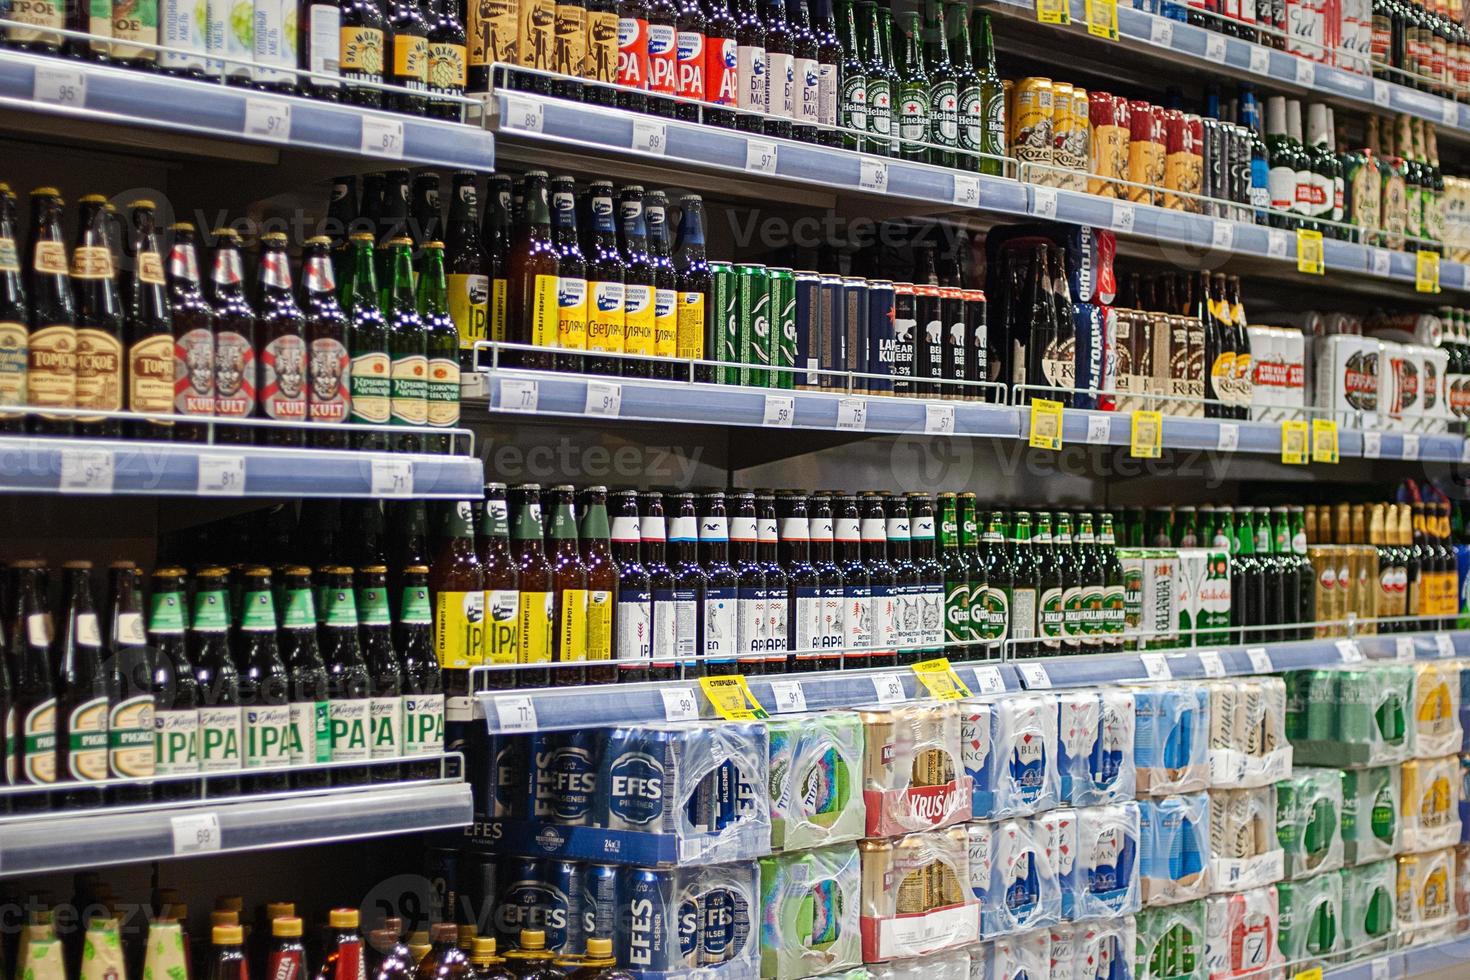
pixel 96 466
pixel 57 842
pixel 82 91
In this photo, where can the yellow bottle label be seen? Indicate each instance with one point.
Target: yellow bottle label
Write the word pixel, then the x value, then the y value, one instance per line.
pixel 665 322
pixel 599 624
pixel 544 312
pixel 569 48
pixel 503 628
pixel 535 621
pixel 469 307
pixel 51 369
pixel 638 319
pixel 99 370
pixel 130 737
pixel 362 50
pixel 534 28
pixel 572 629
pixel 498 293
pixel 491 30
pixel 605 318
pixel 600 63
pixel 571 304
pixel 690 341
pixel 446 66
pixel 459 629
pixel 410 57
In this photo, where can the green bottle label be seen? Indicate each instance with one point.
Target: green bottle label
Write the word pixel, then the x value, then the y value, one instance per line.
pixel 300 609
pixel 375 607
pixel 415 606
pixel 341 608
pixel 166 613
pixel 212 611
pixel 260 612
pixel 957 613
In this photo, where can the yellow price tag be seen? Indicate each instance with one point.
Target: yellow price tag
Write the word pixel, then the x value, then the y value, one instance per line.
pixel 1102 18
pixel 1294 446
pixel 1426 271
pixel 1146 435
pixel 1310 257
pixel 1315 973
pixel 1054 11
pixel 1324 441
pixel 940 679
pixel 731 699
pixel 1046 424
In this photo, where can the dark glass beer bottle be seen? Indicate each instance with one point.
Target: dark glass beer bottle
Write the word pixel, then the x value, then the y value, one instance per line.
pixel 328 397
pixel 457 582
pixel 85 690
pixel 751 618
pixel 722 588
pixel 496 234
pixel 175 690
pixel 265 695
pixel 130 718
pixel 409 66
pixel 363 51
pixel 907 584
pixel 857 584
pixel 385 673
pixel 692 282
pixel 721 74
pixel 804 599
pixel 594 535
pixel 752 87
pixel 99 321
pixel 689 60
pixel 51 365
pixel 446 70
pixel 536 610
pixel 806 72
pixel 14 310
pixel 778 585
pixel 423 686
pixel 533 275
pixel 281 341
pixel 465 266
pixel 571 282
pixel 665 296
pixel 218 680
pixel 569 582
pixel 502 592
pixel 310 733
pixel 691 584
pixel 235 365
pixel 654 549
pixel 829 582
pixel 638 286
pixel 780 70
pixel 349 688
pixel 633 615
pixel 606 282
pixel 148 334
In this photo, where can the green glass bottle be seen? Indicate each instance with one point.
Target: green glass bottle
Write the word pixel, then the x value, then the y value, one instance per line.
pixel 853 100
pixel 969 529
pixel 407 345
pixel 943 87
pixel 441 345
pixel 957 633
pixel 371 371
pixel 882 79
pixel 914 99
pixel 992 95
pixel 969 115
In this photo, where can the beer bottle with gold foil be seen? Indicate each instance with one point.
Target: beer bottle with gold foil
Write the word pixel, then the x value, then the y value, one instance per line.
pixel 665 295
pixel 602 582
pixel 348 687
pixel 464 267
pixel 638 287
pixel 606 318
pixel 447 72
pixel 571 288
pixel 237 363
pixel 532 275
pixel 408 347
pixel 51 367
pixel 370 374
pixel 148 332
pixel 130 720
pixel 191 376
pixel 536 611
pixel 569 579
pixel 502 592
pixel 457 583
pixel 84 691
pixel 327 359
pixel 281 340
pixel 363 52
pixel 441 346
pixel 490 28
pixel 498 239
pixel 423 685
pixel 409 66
pixel 13 335
pixel 99 319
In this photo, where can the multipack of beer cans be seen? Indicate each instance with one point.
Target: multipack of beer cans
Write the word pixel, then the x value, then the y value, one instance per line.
pixel 1248 743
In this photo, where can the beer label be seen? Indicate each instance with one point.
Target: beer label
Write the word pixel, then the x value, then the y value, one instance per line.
pixel 38 742
pixel 99 370
pixel 51 369
pixel 665 322
pixel 664 642
pixel 150 374
pixel 606 318
pixel 569 46
pixel 571 313
pixel 535 29
pixel 150 268
pixel 634 626
pixel 324 42
pixel 601 61
pixel 781 85
pixel 282 379
pixel 349 725
pixel 662 59
pixel 855 103
pixel 806 93
pixel 410 390
pixel 459 629
pixel 50 257
pixel 913 115
pixel 689 58
pixel 410 60
pixel 361 52
pixel 385 727
pixel 491 30
pixel 469 307
pixel 234 373
pixel 91 262
pixel 571 626
pixel 9 256
pixel 87 740
pixel 1222 378
pixel 219 739
pixel 638 312
pixel 330 381
pixel 944 105
pixel 13 356
pixel 1059 362
pixel 502 627
pixel 833 629
pixel 443 406
pixel 808 626
pixel 175 742
pixel 133 21
pixel 721 626
pixel 750 621
pixel 599 624
pixel 446 68
pixel 423 724
pixel 750 77
pixel 130 737
pixel 689 336
pixel 633 52
pixel 534 617
pixel 722 78
pixel 267 735
pixel 544 312
pixel 369 380
pixel 193 373
pixel 1023 613
pixel 308 733
pixel 777 635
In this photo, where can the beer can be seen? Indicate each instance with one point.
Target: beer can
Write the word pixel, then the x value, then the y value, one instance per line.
pixel 599 901
pixel 953 338
pixel 878 736
pixel 722 338
pixel 753 323
pixel 442 866
pixel 478 887
pixel 879 888
pixel 574 772
pixel 1183 162
pixel 1102 111
pixel 1212 173
pixel 855 327
pixel 879 318
pixel 519 879
pixel 833 354
pixel 540 894
pixel 808 326
pixel 905 329
pixel 977 339
pixel 1079 140
pixel 634 779
pixel 1061 132
pixel 783 326
pixel 928 341
pixel 1145 151
pixel 508 766
pixel 644 938
pixel 1032 124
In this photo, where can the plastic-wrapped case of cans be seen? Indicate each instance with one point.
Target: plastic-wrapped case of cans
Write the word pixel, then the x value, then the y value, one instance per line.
pixel 950 964
pixel 815 762
pixel 810 903
pixel 913 778
pixel 681 922
pixel 1311 920
pixel 1171 745
pixel 1350 717
pixel 1248 745
pixel 915 895
pixel 1105 870
pixel 1309 821
pixel 1241 933
pixel 1012 876
pixel 1426 894
pixel 1171 943
pixel 1345 379
pixel 1244 850
pixel 1098 950
pixel 1095 747
pixel 1018 957
pixel 1174 849
pixel 1435 729
pixel 1369 907
pixel 1278 373
pixel 1371 828
pixel 1009 754
pixel 1058 829
pixel 1429 807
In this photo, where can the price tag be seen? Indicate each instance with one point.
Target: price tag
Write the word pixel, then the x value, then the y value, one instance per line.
pixel 392 478
pixel 1380 93
pixel 1044 202
pixel 1260 660
pixel 1372 445
pixel 650 136
pixel 1123 215
pixel 1046 424
pixel 1211 663
pixel 939 419
pixel 1034 676
pixel 268 119
pixel 1053 12
pixel 731 699
pixel 1411 446
pixel 1161 31
pixel 989 681
pixel 1444 646
pixel 522 114
pixel 1381 261
pixel 1227 439
pixel 1276 244
pixel 196 833
pixel 1306 72
pixel 1260 60
pixel 1378 969
pixel 787 697
pixel 1223 235
pixel 222 476
pixel 780 411
pixel 940 680
pixel 1146 435
pixel 760 156
pixel 1449 112
pixel 517 712
pixel 679 703
pixel 604 398
pixel 1099 430
pixel 1349 652
pixel 519 395
pixel 1403 648
pixel 1102 18
pixel 889 688
pixel 1426 271
pixel 382 136
pixel 1465 450
pixel 1155 667
pixel 1215 47
pixel 1324 441
pixel 966 191
pixel 872 175
pixel 60 86
pixel 1310 257
pixel 1294 450
pixel 1315 973
pixel 852 413
pixel 86 471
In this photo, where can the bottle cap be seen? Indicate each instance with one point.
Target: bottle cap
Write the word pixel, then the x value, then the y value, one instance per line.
pixel 343 918
pixel 467 936
pixel 286 926
pixel 383 940
pixel 484 947
pixel 224 917
pixel 277 910
pixel 599 948
pixel 227 935
pixel 533 939
pixel 444 932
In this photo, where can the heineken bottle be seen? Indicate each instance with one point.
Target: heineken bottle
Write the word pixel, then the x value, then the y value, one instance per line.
pixel 992 95
pixel 957 629
pixel 882 80
pixel 943 87
pixel 914 104
pixel 969 115
pixel 853 99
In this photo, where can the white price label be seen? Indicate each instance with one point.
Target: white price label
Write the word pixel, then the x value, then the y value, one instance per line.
pixel 1465 450
pixel 392 478
pixel 1449 112
pixel 1444 645
pixel 1210 662
pixel 1260 60
pixel 939 419
pixel 1161 31
pixel 1155 667
pixel 1372 445
pixel 1034 676
pixel 1306 72
pixel 268 119
pixel 1260 660
pixel 780 411
pixel 519 395
pixel 222 476
pixel 873 175
pixel 1123 215
pixel 604 398
pixel 86 471
pixel 1379 969
pixel 517 712
pixel 522 114
pixel 382 137
pixel 1411 445
pixel 1349 652
pixel 650 136
pixel 1403 648
pixel 1044 202
pixel 1276 244
pixel 852 413
pixel 966 191
pixel 760 156
pixel 1380 93
pixel 1382 261
pixel 1215 47
pixel 1222 235
pixel 788 697
pixel 889 688
pixel 60 86
pixel 1227 440
pixel 989 681
pixel 680 703
pixel 1099 429
pixel 195 833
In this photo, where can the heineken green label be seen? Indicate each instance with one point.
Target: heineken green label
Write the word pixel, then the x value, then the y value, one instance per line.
pixel 219 739
pixel 175 742
pixel 212 611
pixel 300 610
pixel 375 607
pixel 166 613
pixel 267 735
pixel 350 719
pixel 385 723
pixel 259 612
pixel 415 605
pixel 423 724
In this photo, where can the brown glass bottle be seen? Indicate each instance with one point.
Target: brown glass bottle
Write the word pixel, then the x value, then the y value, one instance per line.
pixel 327 358
pixel 533 275
pixel 569 580
pixel 280 337
pixel 98 321
pixel 502 597
pixel 130 720
pixel 149 331
pixel 445 960
pixel 31 633
pixel 536 608
pixel 602 582
pixel 236 357
pixel 51 366
pixel 458 585
pixel 84 690
pixel 13 332
pixel 193 319
pixel 532 961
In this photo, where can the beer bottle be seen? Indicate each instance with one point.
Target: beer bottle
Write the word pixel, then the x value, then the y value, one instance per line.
pixel 722 588
pixel 830 55
pixel 446 71
pixel 1250 572
pixel 393 221
pixel 1420 566
pixel 192 350
pixel 665 298
pixel 1024 585
pixel 633 67
pixel 883 80
pixel 721 63
pixel 342 216
pixel 1114 589
pixel 958 635
pixel 633 615
pixel 265 695
pixel 914 103
pixel 752 67
pixel 638 288
pixel 426 221
pixel 149 332
pixel 408 345
pixel 691 586
pixel 778 586
pixel 1069 562
pixel 537 608
pixel 369 374
pixel 571 282
pixel 606 276
pixel 34 750
pixel 750 586
pixel 501 587
pixel 853 100
pixel 992 95
pixel 457 581
pixel 780 70
pixel 218 679
pixel 969 544
pixel 85 689
pixel 328 362
pixel 464 264
pixel 280 338
pixel 98 321
pixel 497 238
pixel 174 734
pixel 533 275
pixel 969 118
pixel 602 578
pixel 441 343
pixel 423 690
pixel 857 586
pixel 804 598
pixel 349 688
pixel 908 587
pixel 309 735
pixel 409 67
pixel 692 282
pixel 569 581
pixel 362 51
pixel 1383 589
pixel 1091 577
pixel 231 353
pixel 931 574
pixel 385 673
pixel 663 59
pixel 13 313
pixel 943 87
pixel 130 720
pixel 881 580
pixel 653 548
pixel 51 367
pixel 830 585
pixel 1050 596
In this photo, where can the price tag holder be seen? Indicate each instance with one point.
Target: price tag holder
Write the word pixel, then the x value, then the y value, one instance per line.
pixel 760 156
pixel 940 680
pixel 1379 969
pixel 1310 257
pixel 195 833
pixel 1161 31
pixel 1123 216
pixel 382 137
pixel 1102 18
pixel 1372 445
pixel 680 703
pixel 1306 72
pixel 1099 430
pixel 1053 12
pixel 604 398
pixel 787 697
pixel 222 476
pixel 1349 652
pixel 1324 441
pixel 989 681
pixel 1260 60
pixel 1146 435
pixel 1044 201
pixel 86 471
pixel 1210 662
pixel 873 175
pixel 966 191
pixel 1444 646
pixel 1410 446
pixel 889 688
pixel 1227 440
pixel 1215 47
pixel 939 419
pixel 1294 447
pixel 780 411
pixel 650 136
pixel 1380 93
pixel 268 119
pixel 1046 424
pixel 1381 260
pixel 1260 660
pixel 1426 271
pixel 60 86
pixel 519 395
pixel 522 114
pixel 1449 112
pixel 517 712
pixel 392 478
pixel 1155 667
pixel 852 413
pixel 1465 450
pixel 1222 235
pixel 1403 649
pixel 1315 973
pixel 731 699
pixel 1276 244
pixel 1034 676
